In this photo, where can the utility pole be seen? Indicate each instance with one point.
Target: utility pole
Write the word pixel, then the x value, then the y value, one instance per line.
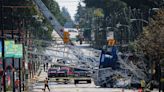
pixel 2 39
pixel 23 43
pixel 19 35
pixel 13 62
pixel 19 62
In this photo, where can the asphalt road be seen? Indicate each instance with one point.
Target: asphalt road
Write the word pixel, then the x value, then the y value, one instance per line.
pixel 56 87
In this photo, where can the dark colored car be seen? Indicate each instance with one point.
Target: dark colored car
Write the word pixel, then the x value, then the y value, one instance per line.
pixel 62 73
pixel 52 72
pixel 82 73
pixel 68 71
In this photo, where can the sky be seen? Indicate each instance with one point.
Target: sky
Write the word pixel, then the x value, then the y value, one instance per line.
pixel 71 6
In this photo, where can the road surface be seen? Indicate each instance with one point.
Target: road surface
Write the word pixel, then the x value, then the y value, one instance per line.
pixel 60 87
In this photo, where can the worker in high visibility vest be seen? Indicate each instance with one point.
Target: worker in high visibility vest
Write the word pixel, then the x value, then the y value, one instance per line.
pixel 143 84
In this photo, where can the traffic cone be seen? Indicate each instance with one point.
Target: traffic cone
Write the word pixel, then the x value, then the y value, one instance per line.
pixel 140 90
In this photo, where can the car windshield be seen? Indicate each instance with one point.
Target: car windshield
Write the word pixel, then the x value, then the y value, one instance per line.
pixel 63 70
pixel 52 69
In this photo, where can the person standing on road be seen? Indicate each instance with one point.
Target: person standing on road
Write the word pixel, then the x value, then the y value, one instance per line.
pixel 47 66
pixel 46 85
pixel 143 84
pixel 17 85
pixel 44 66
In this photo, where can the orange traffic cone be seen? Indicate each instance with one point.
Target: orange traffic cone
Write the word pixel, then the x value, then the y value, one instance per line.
pixel 140 90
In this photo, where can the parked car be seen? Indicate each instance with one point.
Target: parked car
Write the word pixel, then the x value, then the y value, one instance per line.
pixel 69 71
pixel 52 72
pixel 81 73
pixel 62 73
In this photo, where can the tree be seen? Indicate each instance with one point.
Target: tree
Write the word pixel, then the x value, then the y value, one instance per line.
pixel 152 39
pixel 66 14
pixel 112 12
pixel 69 23
pixel 150 43
pixel 84 18
pixel 24 18
pixel 53 6
pixel 108 6
pixel 80 13
pixel 144 4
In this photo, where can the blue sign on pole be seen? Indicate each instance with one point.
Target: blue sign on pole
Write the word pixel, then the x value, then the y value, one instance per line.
pixel 0 48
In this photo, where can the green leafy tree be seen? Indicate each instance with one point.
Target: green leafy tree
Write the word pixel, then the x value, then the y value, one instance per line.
pixel 69 22
pixel 108 6
pixel 66 14
pixel 80 13
pixel 150 43
pixel 152 39
pixel 112 12
pixel 144 4
pixel 53 6
pixel 146 7
pixel 84 18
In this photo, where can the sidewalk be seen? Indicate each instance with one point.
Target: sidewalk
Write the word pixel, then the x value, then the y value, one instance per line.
pixel 42 76
pixel 39 84
pixel 38 76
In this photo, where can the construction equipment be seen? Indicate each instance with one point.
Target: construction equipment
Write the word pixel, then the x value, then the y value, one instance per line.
pixel 115 66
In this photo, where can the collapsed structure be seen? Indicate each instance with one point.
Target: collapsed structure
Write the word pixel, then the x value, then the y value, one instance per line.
pixel 116 67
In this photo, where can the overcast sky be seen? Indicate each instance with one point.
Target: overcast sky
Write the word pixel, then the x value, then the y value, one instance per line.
pixel 71 5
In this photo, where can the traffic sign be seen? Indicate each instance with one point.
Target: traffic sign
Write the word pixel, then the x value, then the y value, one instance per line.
pixel 66 37
pixel 18 49
pixel 9 50
pixel 111 42
pixel 110 35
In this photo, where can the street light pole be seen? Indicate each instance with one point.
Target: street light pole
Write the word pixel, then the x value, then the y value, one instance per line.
pixel 132 20
pixel 2 38
pixel 19 60
pixel 3 59
pixel 13 63
pixel 119 25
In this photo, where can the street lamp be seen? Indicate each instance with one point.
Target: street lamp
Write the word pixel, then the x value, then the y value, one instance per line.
pixel 132 20
pixel 119 25
pixel 111 28
pixel 142 20
pixel 124 43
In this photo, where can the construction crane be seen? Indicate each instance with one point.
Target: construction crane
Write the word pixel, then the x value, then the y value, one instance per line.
pixel 66 52
pixel 51 18
pixel 112 64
